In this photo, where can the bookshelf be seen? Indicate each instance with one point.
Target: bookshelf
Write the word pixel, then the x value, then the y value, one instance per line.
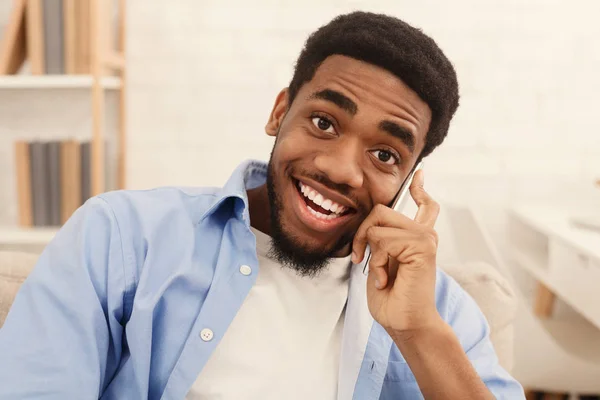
pixel 92 59
pixel 57 82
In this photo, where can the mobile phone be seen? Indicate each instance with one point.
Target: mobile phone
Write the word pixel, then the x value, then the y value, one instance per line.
pixel 397 204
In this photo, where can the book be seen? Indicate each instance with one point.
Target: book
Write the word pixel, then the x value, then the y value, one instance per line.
pixel 82 38
pixel 53 37
pixel 86 171
pixel 70 35
pixel 53 178
pixel 35 36
pixel 13 43
pixel 23 168
pixel 39 183
pixel 70 178
pixel 110 165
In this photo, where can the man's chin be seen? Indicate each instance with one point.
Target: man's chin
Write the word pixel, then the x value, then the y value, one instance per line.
pixel 304 260
pixel 307 256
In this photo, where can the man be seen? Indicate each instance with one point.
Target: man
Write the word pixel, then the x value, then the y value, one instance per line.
pixel 257 290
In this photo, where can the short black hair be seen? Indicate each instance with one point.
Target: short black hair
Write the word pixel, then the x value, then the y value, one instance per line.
pixel 394 45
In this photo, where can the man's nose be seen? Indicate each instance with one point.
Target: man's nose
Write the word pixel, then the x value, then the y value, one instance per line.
pixel 341 164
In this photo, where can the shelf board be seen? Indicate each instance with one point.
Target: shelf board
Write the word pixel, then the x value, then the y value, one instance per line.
pixel 529 263
pixel 19 236
pixel 568 294
pixel 556 223
pixel 56 82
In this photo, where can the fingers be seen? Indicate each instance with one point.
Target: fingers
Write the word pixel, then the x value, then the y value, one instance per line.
pixel 387 240
pixel 429 209
pixel 382 264
pixel 382 270
pixel 379 262
pixel 378 269
pixel 379 216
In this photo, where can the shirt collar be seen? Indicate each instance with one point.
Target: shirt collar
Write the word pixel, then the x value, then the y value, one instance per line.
pixel 248 175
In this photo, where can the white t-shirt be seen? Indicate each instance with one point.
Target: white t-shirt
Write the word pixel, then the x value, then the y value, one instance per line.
pixel 284 343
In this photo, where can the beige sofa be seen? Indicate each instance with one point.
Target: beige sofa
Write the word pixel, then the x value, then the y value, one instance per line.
pixel 14 268
pixel 486 285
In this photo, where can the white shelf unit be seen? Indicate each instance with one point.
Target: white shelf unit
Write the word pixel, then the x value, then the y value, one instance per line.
pixel 562 257
pixel 57 82
pixel 105 58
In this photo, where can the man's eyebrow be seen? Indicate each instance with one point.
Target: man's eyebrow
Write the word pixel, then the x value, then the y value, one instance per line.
pixel 339 99
pixel 399 132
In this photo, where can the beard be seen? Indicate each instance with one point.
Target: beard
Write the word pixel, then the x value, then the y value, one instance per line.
pixel 289 250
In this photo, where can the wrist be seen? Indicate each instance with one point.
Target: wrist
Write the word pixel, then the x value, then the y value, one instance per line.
pixel 435 327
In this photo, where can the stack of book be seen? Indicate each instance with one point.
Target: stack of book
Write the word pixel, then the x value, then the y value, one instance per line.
pixel 53 180
pixel 54 35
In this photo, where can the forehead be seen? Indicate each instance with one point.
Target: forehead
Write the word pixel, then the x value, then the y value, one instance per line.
pixel 343 69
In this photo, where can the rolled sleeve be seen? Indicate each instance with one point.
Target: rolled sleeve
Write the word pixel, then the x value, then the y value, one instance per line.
pixel 473 331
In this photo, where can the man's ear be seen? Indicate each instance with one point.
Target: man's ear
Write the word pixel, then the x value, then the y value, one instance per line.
pixel 279 110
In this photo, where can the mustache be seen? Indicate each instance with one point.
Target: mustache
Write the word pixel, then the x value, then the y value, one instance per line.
pixel 341 188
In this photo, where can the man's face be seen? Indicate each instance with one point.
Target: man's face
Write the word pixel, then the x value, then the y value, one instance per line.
pixel 349 139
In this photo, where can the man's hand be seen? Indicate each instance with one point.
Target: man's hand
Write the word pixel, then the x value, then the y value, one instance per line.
pixel 402 269
pixel 401 297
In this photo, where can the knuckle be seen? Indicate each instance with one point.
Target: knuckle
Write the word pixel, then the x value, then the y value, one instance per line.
pixel 360 235
pixel 420 189
pixel 422 236
pixel 378 209
pixel 429 238
pixel 433 235
pixel 374 238
pixel 381 242
pixel 370 233
pixel 427 199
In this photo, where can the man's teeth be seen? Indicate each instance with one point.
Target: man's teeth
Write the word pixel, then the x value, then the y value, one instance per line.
pixel 318 200
pixel 321 215
pixel 322 201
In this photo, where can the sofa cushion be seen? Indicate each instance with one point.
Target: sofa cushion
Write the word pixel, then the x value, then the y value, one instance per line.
pixel 496 299
pixel 14 268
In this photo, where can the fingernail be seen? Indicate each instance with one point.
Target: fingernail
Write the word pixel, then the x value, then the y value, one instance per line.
pixel 377 284
pixel 354 258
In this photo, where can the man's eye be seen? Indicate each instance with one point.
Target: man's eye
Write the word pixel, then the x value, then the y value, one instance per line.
pixel 386 157
pixel 323 124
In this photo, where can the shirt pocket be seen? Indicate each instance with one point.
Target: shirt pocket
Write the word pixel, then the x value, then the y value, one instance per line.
pixel 399 383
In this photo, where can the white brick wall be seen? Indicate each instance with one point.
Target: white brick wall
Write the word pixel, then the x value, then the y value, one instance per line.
pixel 204 75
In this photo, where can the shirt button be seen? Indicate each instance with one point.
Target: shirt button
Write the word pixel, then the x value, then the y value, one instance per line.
pixel 245 270
pixel 206 334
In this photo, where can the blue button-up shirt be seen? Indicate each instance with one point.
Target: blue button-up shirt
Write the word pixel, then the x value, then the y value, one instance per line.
pixel 116 303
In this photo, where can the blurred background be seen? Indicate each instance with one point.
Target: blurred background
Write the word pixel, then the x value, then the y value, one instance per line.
pixel 100 94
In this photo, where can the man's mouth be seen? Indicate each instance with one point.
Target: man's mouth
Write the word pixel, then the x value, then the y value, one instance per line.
pixel 320 206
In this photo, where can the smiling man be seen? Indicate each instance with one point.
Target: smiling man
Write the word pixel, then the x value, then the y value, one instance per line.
pixel 256 290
